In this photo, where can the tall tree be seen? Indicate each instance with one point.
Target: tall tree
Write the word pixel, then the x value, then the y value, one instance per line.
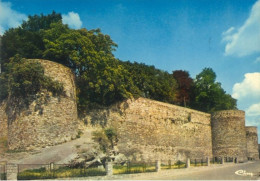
pixel 100 78
pixel 152 83
pixel 27 40
pixel 208 95
pixel 184 82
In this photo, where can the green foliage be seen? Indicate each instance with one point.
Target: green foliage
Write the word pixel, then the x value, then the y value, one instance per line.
pixel 106 138
pixel 27 40
pixel 101 78
pixel 152 83
pixel 24 78
pixel 79 134
pixel 3 176
pixel 208 95
pixel 4 143
pixel 131 168
pixel 62 172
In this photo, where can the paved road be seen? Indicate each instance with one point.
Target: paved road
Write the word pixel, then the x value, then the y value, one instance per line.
pixel 248 171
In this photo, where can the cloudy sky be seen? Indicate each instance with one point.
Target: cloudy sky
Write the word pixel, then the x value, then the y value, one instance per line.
pixel 170 34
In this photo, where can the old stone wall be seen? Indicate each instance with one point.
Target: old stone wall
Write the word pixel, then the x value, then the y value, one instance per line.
pixel 259 150
pixel 3 122
pixel 50 119
pixel 3 128
pixel 252 142
pixel 152 130
pixel 229 134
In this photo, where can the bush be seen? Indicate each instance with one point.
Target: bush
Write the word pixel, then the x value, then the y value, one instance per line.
pixel 23 79
pixel 106 138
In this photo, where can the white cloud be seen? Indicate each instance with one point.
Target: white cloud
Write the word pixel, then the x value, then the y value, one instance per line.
pixel 249 87
pixel 253 110
pixel 9 18
pixel 257 60
pixel 246 40
pixel 230 30
pixel 72 19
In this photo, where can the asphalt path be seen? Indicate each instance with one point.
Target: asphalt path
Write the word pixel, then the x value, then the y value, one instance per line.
pixel 242 171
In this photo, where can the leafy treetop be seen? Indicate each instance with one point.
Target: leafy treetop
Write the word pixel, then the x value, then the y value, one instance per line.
pixel 101 78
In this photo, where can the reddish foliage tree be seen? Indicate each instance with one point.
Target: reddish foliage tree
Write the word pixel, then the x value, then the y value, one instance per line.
pixel 184 87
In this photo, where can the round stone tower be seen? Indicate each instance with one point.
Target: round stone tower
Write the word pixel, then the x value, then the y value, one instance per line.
pixel 49 119
pixel 229 134
pixel 252 143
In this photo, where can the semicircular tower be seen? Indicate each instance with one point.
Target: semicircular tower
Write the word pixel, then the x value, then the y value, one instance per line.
pixel 229 134
pixel 49 119
pixel 252 143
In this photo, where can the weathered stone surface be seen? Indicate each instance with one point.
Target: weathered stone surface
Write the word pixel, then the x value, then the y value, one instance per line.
pixel 259 150
pixel 49 120
pixel 3 122
pixel 229 134
pixel 147 130
pixel 152 130
pixel 252 142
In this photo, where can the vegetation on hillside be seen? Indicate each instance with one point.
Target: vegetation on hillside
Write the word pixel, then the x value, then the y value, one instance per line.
pixel 101 78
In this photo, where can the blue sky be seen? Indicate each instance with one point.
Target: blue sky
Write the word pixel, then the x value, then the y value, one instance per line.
pixel 172 35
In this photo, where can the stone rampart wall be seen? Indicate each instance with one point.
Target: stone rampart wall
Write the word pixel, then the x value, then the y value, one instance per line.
pixel 259 150
pixel 152 130
pixel 229 134
pixel 252 142
pixel 3 128
pixel 3 121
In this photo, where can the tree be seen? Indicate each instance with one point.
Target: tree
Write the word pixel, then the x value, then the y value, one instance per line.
pixel 101 80
pixel 184 83
pixel 107 139
pixel 152 83
pixel 27 40
pixel 208 95
pixel 24 79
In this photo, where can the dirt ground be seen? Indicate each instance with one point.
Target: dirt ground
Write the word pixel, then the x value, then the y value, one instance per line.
pixel 60 154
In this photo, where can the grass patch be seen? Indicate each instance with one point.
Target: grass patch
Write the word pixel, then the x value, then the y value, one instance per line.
pixel 198 164
pixel 136 168
pixel 173 166
pixel 63 172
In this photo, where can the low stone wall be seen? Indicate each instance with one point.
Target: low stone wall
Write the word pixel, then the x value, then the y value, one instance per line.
pixel 252 142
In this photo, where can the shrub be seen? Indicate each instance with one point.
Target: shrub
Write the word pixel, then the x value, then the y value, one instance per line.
pixel 24 78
